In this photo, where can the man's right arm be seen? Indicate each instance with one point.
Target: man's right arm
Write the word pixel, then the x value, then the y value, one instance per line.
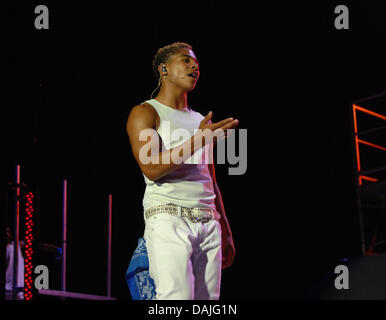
pixel 156 163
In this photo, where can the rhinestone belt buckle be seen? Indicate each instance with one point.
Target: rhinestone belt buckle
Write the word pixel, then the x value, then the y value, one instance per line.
pixel 195 215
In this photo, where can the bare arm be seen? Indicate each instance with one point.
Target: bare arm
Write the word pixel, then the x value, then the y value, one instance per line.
pixel 228 248
pixel 154 162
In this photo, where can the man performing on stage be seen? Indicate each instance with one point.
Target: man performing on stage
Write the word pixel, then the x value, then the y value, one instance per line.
pixel 187 234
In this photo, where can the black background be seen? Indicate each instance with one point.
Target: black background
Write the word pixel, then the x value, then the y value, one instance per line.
pixel 283 70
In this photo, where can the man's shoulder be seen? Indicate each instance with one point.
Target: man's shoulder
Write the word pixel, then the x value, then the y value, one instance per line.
pixel 144 109
pixel 143 113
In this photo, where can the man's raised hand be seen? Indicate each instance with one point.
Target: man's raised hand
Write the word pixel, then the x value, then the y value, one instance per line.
pixel 215 131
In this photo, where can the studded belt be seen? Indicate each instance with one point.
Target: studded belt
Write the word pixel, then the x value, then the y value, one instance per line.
pixel 193 214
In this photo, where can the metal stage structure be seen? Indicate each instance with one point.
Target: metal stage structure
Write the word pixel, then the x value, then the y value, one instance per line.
pixel 25 210
pixel 369 126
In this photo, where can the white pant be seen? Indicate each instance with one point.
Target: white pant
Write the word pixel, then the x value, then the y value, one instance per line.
pixel 184 257
pixel 9 261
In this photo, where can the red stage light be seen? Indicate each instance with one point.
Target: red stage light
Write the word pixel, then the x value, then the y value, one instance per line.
pixel 358 141
pixel 29 211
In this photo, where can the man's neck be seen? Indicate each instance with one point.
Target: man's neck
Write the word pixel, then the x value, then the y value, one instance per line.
pixel 176 101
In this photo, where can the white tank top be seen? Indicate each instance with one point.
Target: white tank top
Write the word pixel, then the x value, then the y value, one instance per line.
pixel 190 185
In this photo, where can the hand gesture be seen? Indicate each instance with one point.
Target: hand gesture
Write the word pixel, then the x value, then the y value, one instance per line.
pixel 216 131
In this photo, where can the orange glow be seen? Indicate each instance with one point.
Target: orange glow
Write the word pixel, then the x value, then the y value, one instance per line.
pixel 357 140
pixel 372 144
pixel 367 178
pixel 378 115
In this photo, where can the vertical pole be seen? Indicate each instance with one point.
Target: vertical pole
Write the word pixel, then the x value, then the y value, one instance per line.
pixel 109 245
pixel 16 231
pixel 358 182
pixel 64 238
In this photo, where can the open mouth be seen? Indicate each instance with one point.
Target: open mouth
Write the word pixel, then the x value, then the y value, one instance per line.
pixel 193 74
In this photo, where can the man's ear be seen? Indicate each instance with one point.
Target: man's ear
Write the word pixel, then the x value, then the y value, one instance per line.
pixel 162 69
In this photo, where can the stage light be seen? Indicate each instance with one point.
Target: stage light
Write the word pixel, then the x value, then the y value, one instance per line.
pixel 358 141
pixel 28 266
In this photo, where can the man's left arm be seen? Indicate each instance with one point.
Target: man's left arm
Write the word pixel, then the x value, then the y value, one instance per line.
pixel 228 247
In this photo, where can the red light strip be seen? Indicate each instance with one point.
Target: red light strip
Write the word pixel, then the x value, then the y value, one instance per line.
pixel 28 267
pixel 367 178
pixel 378 115
pixel 372 144
pixel 357 140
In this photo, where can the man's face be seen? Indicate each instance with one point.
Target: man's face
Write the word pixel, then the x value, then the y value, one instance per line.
pixel 183 69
